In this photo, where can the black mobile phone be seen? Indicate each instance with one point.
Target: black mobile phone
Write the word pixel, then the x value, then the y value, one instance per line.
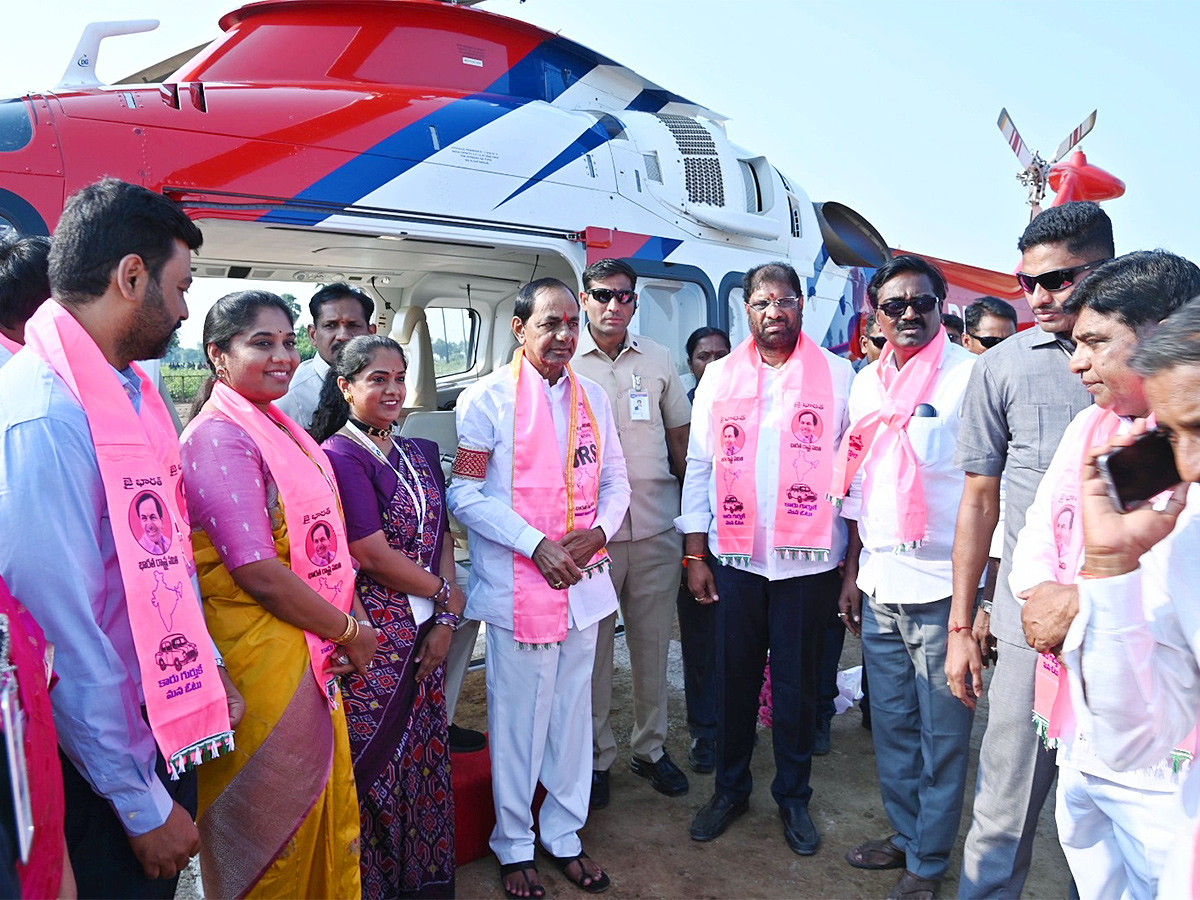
pixel 1144 469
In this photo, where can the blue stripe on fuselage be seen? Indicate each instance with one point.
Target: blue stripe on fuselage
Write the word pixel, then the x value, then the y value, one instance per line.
pixel 413 144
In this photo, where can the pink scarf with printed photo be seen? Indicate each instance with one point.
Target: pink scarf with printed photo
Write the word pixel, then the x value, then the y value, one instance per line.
pixel 1053 713
pixel 550 499
pixel 886 430
pixel 803 514
pixel 138 455
pixel 318 550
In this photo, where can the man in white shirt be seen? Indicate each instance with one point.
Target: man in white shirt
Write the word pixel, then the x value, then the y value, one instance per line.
pixel 1115 827
pixel 539 697
pixel 1135 641
pixel 339 312
pixel 904 500
pixel 771 593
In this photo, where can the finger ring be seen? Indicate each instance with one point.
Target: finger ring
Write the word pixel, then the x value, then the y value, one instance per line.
pixel 558 584
pixel 698 599
pixel 841 615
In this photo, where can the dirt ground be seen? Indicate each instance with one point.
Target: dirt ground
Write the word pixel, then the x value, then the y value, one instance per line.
pixel 642 840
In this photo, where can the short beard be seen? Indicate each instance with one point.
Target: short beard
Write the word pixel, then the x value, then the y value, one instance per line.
pixel 144 339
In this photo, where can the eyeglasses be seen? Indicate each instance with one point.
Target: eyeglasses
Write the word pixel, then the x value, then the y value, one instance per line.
pixel 607 295
pixel 878 340
pixel 785 303
pixel 988 342
pixel 894 309
pixel 1054 280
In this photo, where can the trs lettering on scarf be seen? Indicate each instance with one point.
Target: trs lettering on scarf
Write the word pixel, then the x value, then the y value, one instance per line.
pixel 585 456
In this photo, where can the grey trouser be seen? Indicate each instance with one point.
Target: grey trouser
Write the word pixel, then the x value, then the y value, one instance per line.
pixel 922 731
pixel 1015 775
pixel 458 660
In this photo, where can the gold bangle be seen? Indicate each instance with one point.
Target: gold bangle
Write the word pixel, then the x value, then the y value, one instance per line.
pixel 350 633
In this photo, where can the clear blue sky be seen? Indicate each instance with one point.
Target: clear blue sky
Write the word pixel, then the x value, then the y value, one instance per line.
pixel 889 107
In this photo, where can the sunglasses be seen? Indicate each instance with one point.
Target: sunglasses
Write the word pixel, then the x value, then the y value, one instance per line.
pixel 878 340
pixel 988 342
pixel 608 295
pixel 1055 279
pixel 894 309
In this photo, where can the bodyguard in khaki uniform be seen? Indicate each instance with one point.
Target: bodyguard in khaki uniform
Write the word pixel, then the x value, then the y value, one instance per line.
pixel 652 413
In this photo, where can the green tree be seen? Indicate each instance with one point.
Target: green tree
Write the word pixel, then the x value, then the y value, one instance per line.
pixel 304 346
pixel 443 349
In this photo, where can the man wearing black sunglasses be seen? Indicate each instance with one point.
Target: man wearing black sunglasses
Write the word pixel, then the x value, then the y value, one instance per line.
pixel 653 415
pixel 989 320
pixel 1021 398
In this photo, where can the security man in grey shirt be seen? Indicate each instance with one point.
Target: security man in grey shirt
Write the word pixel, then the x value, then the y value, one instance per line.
pixel 1021 398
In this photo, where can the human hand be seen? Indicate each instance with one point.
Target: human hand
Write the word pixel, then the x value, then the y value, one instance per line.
pixel 556 565
pixel 1049 609
pixel 164 851
pixel 457 601
pixel 433 650
pixel 1113 542
pixel 850 606
pixel 982 632
pixel 355 656
pixel 583 544
pixel 700 582
pixel 233 698
pixel 962 659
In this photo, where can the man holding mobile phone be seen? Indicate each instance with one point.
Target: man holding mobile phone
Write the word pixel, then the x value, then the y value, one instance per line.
pixel 1115 827
pixel 1019 402
pixel 1136 641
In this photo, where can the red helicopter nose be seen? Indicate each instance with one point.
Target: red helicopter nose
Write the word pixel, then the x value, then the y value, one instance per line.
pixel 1075 179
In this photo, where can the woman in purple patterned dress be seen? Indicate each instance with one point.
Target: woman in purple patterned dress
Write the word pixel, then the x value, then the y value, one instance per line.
pixel 393 496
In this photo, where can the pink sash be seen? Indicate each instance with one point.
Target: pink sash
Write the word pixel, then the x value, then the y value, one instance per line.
pixel 9 344
pixel 1053 713
pixel 803 513
pixel 904 390
pixel 319 552
pixel 551 500
pixel 138 455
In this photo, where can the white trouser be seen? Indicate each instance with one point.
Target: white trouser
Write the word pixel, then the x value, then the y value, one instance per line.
pixel 1115 838
pixel 540 729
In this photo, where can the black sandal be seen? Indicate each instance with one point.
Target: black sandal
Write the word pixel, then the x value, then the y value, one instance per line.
pixel 595 886
pixel 536 891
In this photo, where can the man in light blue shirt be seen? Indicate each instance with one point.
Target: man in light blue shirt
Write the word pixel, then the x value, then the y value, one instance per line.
pixel 120 265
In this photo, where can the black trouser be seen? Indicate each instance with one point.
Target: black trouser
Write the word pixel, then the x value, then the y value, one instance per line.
pixel 698 642
pixel 789 618
pixel 104 863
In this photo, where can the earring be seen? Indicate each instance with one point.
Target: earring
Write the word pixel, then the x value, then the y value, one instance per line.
pixel 222 374
pixel 346 396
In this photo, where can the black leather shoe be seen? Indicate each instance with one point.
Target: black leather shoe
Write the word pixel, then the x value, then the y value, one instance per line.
pixel 702 758
pixel 464 740
pixel 821 737
pixel 799 830
pixel 714 817
pixel 599 789
pixel 664 776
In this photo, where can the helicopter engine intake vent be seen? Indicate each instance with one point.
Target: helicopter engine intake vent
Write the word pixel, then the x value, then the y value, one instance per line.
pixel 653 172
pixel 701 164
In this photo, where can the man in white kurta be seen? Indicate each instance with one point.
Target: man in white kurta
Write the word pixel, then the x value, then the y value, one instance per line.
pixel 539 700
pixel 1115 827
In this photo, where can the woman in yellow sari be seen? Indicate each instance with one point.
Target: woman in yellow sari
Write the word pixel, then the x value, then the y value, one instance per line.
pixel 279 815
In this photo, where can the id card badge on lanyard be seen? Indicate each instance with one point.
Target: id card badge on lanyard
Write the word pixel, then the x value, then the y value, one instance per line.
pixel 12 719
pixel 639 402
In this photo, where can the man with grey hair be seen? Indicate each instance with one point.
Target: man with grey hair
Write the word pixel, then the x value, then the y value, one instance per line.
pixel 1135 643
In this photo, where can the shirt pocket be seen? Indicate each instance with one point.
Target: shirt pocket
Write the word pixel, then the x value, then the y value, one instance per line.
pixel 1035 431
pixel 925 433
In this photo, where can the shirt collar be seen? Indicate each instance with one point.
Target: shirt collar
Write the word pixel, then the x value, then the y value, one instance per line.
pixel 131 384
pixel 319 365
pixel 587 343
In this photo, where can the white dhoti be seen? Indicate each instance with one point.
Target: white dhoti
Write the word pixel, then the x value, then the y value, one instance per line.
pixel 1116 838
pixel 540 729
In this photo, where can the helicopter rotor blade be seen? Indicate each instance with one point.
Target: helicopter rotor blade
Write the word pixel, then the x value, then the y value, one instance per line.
pixel 1009 130
pixel 1075 137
